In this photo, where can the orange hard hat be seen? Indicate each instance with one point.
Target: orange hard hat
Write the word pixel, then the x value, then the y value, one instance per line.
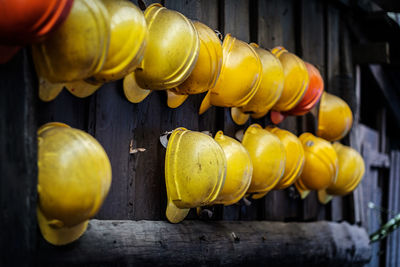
pixel 26 21
pixel 313 93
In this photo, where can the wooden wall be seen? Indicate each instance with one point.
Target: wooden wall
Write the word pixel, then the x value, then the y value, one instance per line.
pixel 312 29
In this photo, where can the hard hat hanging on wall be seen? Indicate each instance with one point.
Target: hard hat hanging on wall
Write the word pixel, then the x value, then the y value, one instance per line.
pixel 74 176
pixel 118 41
pixel 87 43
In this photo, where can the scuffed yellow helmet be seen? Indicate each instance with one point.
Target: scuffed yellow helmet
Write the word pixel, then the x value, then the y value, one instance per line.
pixel 294 156
pixel 268 93
pixel 76 50
pixel 195 169
pixel 239 170
pixel 240 76
pixel 296 79
pixel 73 180
pixel 127 44
pixel 268 156
pixel 206 71
pixel 320 166
pixel 170 55
pixel 334 118
pixel 351 169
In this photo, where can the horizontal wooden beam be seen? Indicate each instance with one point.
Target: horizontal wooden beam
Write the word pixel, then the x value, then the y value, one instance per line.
pixel 377 159
pixel 225 243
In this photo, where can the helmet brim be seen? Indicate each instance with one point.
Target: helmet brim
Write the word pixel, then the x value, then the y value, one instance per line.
pixel 59 236
pixel 324 197
pixel 82 88
pixel 174 100
pixel 238 116
pixel 48 91
pixel 175 214
pixel 133 92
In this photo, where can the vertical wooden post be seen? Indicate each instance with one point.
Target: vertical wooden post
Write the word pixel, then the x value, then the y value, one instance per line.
pixel 18 164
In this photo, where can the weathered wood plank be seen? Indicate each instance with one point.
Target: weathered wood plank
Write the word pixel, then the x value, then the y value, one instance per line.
pixel 312 50
pixel 195 243
pixel 137 179
pixel 236 21
pixel 392 246
pixel 65 108
pixel 276 27
pixel 396 209
pixel 18 164
pixel 355 142
pixel 332 81
pixel 114 136
pixel 372 192
pixel 208 12
pixel 332 50
pixel 187 114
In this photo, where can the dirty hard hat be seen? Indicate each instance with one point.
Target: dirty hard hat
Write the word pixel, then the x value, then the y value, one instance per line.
pixel 195 169
pixel 74 177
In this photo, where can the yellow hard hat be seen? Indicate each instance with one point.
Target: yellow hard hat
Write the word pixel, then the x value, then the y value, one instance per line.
pixel 239 170
pixel 73 180
pixel 268 93
pixel 170 55
pixel 294 156
pixel 268 156
pixel 78 48
pixel 351 169
pixel 296 79
pixel 240 76
pixel 334 118
pixel 195 169
pixel 127 45
pixel 206 71
pixel 320 166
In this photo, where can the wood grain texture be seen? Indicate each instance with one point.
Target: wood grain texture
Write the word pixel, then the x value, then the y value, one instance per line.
pixel 276 27
pixel 187 114
pixel 138 186
pixel 312 50
pixel 372 192
pixel 393 240
pixel 18 164
pixel 147 243
pixel 65 108
pixel 332 81
pixel 236 21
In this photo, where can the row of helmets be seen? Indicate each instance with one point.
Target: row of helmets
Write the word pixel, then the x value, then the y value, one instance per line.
pixel 159 49
pixel 202 171
pixel 74 172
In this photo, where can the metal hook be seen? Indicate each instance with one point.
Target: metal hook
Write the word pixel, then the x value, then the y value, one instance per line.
pixel 164 138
